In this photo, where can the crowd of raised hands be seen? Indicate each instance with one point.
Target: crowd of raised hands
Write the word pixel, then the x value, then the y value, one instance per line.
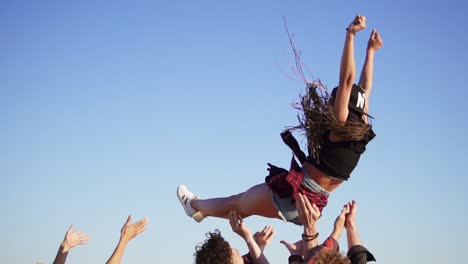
pixel 306 250
pixel 216 250
pixel 127 233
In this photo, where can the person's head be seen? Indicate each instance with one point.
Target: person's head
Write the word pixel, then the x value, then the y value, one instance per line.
pixel 216 250
pixel 331 257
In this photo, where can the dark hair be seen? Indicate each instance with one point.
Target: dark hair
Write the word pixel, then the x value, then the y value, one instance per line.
pixel 215 250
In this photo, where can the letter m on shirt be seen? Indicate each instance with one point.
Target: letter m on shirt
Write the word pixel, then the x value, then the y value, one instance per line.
pixel 361 100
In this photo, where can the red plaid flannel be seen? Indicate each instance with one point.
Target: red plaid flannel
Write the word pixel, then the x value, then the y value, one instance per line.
pixel 289 184
pixel 329 244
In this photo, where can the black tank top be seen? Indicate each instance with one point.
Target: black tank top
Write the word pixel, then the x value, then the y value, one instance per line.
pixel 338 159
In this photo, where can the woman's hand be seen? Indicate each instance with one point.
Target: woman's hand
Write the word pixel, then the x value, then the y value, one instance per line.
pixel 308 213
pixel 375 42
pixel 130 231
pixel 294 248
pixel 238 226
pixel 358 24
pixel 264 237
pixel 73 239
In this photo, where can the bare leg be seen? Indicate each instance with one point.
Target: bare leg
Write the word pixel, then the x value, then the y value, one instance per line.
pixel 257 200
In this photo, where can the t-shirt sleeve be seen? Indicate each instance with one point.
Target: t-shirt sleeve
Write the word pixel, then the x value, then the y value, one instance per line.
pixel 331 244
pixel 247 259
pixel 359 255
pixel 295 259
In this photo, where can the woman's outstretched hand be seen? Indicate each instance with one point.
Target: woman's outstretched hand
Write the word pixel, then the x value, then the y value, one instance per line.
pixel 130 231
pixel 73 239
pixel 264 237
pixel 358 24
pixel 238 226
pixel 375 42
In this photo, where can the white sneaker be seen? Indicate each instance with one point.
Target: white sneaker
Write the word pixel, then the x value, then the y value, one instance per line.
pixel 185 197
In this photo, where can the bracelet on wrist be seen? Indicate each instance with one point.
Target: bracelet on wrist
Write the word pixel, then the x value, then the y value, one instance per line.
pixel 348 29
pixel 309 237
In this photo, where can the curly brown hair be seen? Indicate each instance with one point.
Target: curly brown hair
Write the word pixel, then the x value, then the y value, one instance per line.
pixel 215 250
pixel 331 257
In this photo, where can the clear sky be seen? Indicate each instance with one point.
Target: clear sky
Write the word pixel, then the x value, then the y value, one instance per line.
pixel 107 106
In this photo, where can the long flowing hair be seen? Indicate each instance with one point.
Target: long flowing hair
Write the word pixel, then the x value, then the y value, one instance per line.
pixel 316 111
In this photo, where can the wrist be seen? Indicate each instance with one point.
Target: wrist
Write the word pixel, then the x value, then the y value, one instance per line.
pixel 246 234
pixel 350 32
pixel 336 234
pixel 124 240
pixel 65 247
pixel 308 238
pixel 371 50
pixel 310 230
pixel 351 227
pixel 249 239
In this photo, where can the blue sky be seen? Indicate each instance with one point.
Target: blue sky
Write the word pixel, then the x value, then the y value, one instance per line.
pixel 107 107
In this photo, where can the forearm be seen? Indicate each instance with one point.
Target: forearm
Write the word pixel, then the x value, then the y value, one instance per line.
pixel 353 237
pixel 365 81
pixel 118 252
pixel 309 244
pixel 256 253
pixel 336 234
pixel 347 66
pixel 61 254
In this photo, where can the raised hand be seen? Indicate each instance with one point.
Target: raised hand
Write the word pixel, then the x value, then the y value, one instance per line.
pixel 340 220
pixel 238 226
pixel 358 24
pixel 73 239
pixel 127 233
pixel 375 42
pixel 130 231
pixel 264 237
pixel 294 248
pixel 351 228
pixel 308 213
pixel 350 221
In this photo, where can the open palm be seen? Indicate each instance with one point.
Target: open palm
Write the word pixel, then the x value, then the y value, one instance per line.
pixel 73 239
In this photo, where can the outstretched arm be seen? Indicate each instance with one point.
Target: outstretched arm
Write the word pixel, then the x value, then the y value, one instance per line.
pixel 128 232
pixel 347 69
pixel 238 226
pixel 264 237
pixel 351 228
pixel 365 81
pixel 357 253
pixel 308 215
pixel 340 222
pixel 71 240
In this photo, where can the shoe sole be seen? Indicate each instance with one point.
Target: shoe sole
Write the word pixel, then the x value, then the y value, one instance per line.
pixel 197 216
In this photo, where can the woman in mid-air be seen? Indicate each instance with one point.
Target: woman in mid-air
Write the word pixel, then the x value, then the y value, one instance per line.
pixel 337 128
